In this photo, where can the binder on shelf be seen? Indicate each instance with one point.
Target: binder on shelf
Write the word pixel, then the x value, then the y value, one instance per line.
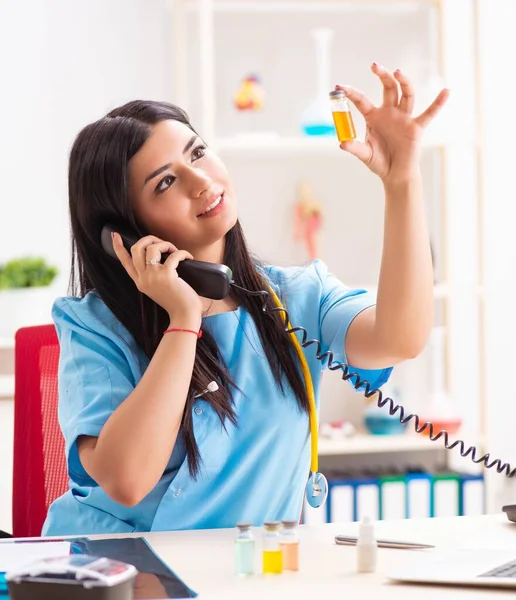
pixel 352 497
pixel 393 497
pixel 340 506
pixel 313 516
pixel 418 498
pixel 471 494
pixel 414 494
pixel 445 492
pixel 367 498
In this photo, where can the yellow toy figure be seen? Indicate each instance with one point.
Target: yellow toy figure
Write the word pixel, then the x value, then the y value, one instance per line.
pixel 250 94
pixel 307 220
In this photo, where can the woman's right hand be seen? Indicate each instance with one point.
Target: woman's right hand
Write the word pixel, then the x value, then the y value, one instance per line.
pixel 160 281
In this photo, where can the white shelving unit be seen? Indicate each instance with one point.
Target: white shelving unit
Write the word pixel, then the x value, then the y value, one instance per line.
pixel 6 387
pixel 303 7
pixel 6 343
pixel 441 290
pixel 6 363
pixel 252 144
pixel 460 290
pixel 375 444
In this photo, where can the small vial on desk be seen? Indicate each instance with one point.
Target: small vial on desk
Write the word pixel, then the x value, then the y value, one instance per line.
pixel 289 543
pixel 367 547
pixel 342 116
pixel 272 554
pixel 244 549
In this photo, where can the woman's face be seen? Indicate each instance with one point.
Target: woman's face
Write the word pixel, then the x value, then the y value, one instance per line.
pixel 181 190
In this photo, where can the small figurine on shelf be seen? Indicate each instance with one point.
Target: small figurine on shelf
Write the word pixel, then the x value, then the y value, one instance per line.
pixel 337 430
pixel 308 220
pixel 250 94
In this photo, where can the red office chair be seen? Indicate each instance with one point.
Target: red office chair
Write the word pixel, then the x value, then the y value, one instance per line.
pixel 39 465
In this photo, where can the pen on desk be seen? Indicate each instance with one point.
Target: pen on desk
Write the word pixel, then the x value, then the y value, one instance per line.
pixel 348 540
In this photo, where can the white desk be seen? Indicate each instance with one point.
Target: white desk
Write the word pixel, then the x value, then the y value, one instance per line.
pixel 204 560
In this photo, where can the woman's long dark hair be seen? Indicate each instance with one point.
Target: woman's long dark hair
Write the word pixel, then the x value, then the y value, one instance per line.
pixel 99 193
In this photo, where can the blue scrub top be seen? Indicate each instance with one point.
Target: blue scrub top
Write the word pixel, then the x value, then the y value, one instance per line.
pixel 253 472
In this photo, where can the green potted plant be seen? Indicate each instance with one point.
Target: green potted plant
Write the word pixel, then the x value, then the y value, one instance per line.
pixel 25 293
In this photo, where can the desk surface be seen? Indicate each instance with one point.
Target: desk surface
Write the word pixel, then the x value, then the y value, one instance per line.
pixel 204 560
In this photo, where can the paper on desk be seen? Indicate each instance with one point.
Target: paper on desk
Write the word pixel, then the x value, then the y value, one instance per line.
pixel 17 554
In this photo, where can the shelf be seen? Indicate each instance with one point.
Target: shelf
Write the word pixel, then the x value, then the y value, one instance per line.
pixel 6 386
pixel 441 290
pixel 294 144
pixel 283 7
pixel 272 143
pixel 6 343
pixel 371 444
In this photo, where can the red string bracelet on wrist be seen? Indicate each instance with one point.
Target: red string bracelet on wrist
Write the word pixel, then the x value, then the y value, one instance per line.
pixel 197 333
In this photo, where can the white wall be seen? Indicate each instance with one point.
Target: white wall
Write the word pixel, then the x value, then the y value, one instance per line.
pixel 63 63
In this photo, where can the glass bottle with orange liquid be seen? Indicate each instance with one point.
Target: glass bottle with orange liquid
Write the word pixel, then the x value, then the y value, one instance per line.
pixel 342 116
pixel 272 554
pixel 289 543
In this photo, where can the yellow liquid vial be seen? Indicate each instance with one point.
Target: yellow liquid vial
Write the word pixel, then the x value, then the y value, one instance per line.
pixel 272 562
pixel 344 126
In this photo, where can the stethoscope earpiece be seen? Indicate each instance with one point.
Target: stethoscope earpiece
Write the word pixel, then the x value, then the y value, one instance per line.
pixel 213 386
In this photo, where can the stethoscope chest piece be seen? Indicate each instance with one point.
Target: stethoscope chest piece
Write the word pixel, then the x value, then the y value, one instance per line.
pixel 316 490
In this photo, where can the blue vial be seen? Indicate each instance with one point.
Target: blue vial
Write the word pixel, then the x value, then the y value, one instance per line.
pixel 244 550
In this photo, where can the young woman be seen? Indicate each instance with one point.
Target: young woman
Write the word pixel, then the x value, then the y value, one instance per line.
pixel 146 448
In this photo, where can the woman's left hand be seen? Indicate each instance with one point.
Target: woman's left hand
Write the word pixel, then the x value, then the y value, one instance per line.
pixel 392 144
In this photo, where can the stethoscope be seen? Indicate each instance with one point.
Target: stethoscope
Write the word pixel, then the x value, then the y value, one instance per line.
pixel 316 489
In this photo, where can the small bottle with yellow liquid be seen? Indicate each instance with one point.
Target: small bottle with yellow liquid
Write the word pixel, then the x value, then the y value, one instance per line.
pixel 272 554
pixel 342 116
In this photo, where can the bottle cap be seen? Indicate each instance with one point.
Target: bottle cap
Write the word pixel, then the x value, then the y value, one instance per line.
pixel 289 524
pixel 244 526
pixel 366 530
pixel 335 94
pixel 271 525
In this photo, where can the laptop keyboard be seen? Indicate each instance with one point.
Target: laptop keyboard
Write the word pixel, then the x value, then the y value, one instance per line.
pixel 506 570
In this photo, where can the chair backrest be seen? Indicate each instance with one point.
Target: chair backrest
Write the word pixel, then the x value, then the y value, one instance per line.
pixel 39 465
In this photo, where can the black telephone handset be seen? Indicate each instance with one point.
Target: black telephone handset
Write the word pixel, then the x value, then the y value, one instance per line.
pixel 209 280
